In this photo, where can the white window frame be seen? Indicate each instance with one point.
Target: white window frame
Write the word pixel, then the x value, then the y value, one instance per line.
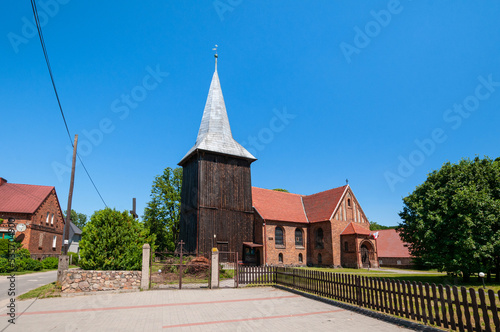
pixel 54 241
pixel 52 220
pixel 47 219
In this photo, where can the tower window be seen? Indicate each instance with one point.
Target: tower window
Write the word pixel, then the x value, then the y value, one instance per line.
pixel 349 202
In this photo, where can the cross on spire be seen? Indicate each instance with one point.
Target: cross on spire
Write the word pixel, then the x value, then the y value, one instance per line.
pixel 215 55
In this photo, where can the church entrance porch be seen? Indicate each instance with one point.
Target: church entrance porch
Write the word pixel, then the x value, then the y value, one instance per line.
pixel 367 253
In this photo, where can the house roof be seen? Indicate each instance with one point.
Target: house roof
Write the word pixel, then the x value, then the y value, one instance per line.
pixel 74 229
pixel 320 206
pixel 22 198
pixel 354 228
pixel 389 244
pixel 215 133
pixel 277 205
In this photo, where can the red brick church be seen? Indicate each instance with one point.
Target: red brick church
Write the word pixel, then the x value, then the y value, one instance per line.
pixel 220 208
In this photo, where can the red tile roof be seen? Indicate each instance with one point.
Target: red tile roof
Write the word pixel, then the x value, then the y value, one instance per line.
pixel 320 206
pixel 354 228
pixel 389 244
pixel 22 198
pixel 277 205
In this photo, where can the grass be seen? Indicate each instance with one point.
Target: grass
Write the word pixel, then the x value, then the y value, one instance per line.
pixel 50 290
pixel 430 277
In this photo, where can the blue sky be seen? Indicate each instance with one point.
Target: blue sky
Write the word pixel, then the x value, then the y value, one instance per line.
pixel 377 92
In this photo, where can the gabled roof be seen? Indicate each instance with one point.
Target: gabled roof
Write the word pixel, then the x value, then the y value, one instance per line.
pixel 215 133
pixel 354 228
pixel 22 198
pixel 74 229
pixel 277 205
pixel 320 206
pixel 389 244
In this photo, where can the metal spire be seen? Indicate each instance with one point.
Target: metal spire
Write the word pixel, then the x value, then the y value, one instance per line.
pixel 215 55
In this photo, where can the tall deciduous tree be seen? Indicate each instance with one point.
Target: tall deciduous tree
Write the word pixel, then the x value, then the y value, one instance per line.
pixel 452 220
pixel 79 219
pixel 162 214
pixel 113 240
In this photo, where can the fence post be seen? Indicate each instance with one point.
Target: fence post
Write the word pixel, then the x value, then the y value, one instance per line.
pixel 146 252
pixel 293 277
pixel 358 291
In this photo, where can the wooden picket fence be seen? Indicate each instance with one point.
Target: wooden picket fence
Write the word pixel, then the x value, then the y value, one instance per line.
pixel 450 307
pixel 259 275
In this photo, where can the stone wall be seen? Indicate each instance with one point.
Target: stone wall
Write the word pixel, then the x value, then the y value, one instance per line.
pixel 76 281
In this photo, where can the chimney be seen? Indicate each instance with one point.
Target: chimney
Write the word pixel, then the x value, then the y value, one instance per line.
pixel 2 181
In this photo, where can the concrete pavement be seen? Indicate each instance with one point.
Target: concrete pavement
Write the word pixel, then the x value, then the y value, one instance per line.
pixel 244 309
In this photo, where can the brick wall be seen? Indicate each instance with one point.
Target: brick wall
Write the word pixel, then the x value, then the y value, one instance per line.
pixel 404 262
pixel 289 250
pixel 76 281
pixel 327 250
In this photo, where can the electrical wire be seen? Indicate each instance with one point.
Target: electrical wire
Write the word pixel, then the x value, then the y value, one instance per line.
pixel 42 41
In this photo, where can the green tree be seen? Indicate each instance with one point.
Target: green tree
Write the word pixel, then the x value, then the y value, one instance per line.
pixel 282 190
pixel 79 219
pixel 113 240
pixel 162 214
pixel 374 226
pixel 452 220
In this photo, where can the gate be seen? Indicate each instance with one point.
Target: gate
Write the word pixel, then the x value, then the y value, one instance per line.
pixel 228 269
pixel 178 269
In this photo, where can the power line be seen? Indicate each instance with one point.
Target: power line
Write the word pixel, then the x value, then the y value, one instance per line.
pixel 42 41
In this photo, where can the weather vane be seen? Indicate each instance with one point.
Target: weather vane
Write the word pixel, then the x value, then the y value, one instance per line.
pixel 215 49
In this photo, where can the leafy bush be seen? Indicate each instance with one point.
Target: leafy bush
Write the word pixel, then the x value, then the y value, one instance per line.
pixel 113 240
pixel 50 263
pixel 23 254
pixel 5 265
pixel 4 247
pixel 74 258
pixel 32 264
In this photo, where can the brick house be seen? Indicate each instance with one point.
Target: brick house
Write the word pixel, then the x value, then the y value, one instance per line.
pixel 392 251
pixel 38 208
pixel 328 228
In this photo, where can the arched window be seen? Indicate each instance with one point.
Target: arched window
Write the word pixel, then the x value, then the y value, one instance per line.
pixel 320 259
pixel 346 246
pixel 300 258
pixel 319 239
pixel 47 220
pixel 280 257
pixel 348 202
pixel 278 236
pixel 299 239
pixel 52 220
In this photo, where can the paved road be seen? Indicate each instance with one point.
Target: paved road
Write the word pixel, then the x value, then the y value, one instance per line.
pixel 24 283
pixel 245 309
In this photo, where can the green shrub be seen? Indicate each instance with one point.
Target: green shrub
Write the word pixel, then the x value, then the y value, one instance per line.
pixel 113 240
pixel 5 265
pixel 74 258
pixel 23 253
pixel 32 264
pixel 50 263
pixel 4 247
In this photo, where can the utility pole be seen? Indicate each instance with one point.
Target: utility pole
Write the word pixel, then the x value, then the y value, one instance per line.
pixel 132 212
pixel 70 198
pixel 63 259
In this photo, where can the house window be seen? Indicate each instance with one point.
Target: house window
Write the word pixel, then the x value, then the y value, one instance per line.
pixel 319 239
pixel 280 258
pixel 299 240
pixel 349 202
pixel 52 220
pixel 320 259
pixel 6 235
pixel 278 236
pixel 398 262
pixel 40 240
pixel 54 242
pixel 47 219
pixel 300 258
pixel 346 246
